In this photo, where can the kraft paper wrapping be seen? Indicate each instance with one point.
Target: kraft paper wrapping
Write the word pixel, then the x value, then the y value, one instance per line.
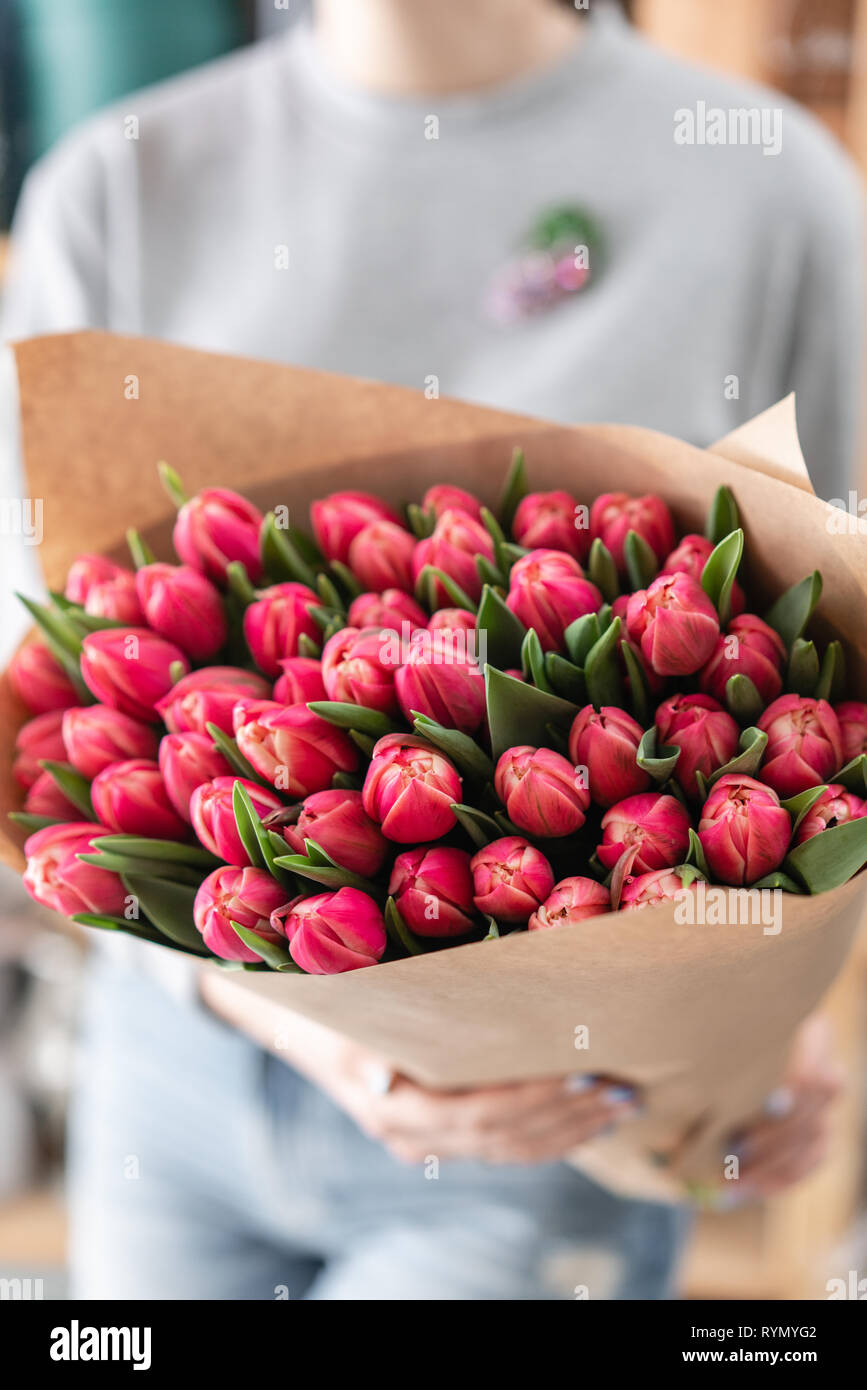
pixel 700 1017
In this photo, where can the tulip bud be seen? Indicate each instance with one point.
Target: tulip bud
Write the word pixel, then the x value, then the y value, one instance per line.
pixel 216 527
pixel 96 736
pixel 606 743
pixel 547 521
pixel 835 806
pixel 456 541
pixel 433 890
pixel 354 670
pixel 46 799
pixel 548 591
pixel 37 740
pixel 805 746
pixel 56 877
pixel 209 696
pixel 130 669
pixel 295 750
pixel 212 813
pixel 852 718
pixel 674 623
pixel 444 497
pixel 409 789
pixel 131 799
pixel 117 599
pixel 749 648
pixel 744 831
pixel 390 609
pixel 182 605
pixel 541 791
pixel 84 572
pixel 705 734
pixel 381 557
pixel 690 558
pixel 656 826
pixel 615 514
pixel 573 900
pixel 186 761
pixel 338 519
pixel 39 680
pixel 442 683
pixel 333 932
pixel 246 709
pixel 646 890
pixel 275 623
pixel 300 682
pixel 243 895
pixel 336 820
pixel 452 620
pixel 511 879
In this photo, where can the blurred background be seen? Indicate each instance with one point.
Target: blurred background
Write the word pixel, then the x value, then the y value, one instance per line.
pixel 57 64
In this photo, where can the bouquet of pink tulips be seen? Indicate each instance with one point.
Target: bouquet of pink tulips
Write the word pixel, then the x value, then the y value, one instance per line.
pixel 312 753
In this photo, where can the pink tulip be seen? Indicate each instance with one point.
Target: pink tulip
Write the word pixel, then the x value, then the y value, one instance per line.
pixel 614 514
pixel 247 708
pixel 131 798
pixel 243 895
pixel 835 806
pixel 852 718
pixel 95 736
pixel 605 742
pixel 452 620
pixel 216 527
pixel 744 831
pixel 511 879
pixel 380 557
pixel 444 497
pixel 37 740
pixel 186 761
pixel 56 878
pixel 390 609
pixel 442 683
pixel 646 890
pixel 456 541
pixel 541 792
pixel 654 825
pixel 805 746
pixel 573 900
pixel 674 623
pixel 39 680
pixel 548 591
pixel 355 669
pixel 116 599
pixel 84 572
pixel 209 696
pixel 338 519
pixel 212 813
pixel 337 822
pixel 275 623
pixel 130 669
pixel 705 734
pixel 333 932
pixel 749 648
pixel 295 750
pixel 409 789
pixel 300 682
pixel 433 890
pixel 690 557
pixel 548 521
pixel 181 604
pixel 46 799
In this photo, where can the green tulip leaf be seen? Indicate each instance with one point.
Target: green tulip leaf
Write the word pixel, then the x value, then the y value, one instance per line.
pixel 640 560
pixel 533 661
pixel 30 822
pixel 239 584
pixel 163 851
pixel 792 611
pixel 581 635
pixel 831 684
pixel 854 775
pixel 169 906
pixel 422 520
pixel 778 879
pixel 639 686
pixel 493 932
pixel 565 679
pixel 519 713
pixel 488 573
pixel 659 761
pixel 696 854
pixel 139 550
pixel 503 632
pixel 722 517
pixel 307 647
pixel 798 806
pixel 746 763
pixel 329 593
pixel 803 672
pixel 602 671
pixel 172 484
pixel 830 858
pixel 399 931
pixel 282 558
pixel 718 575
pixel 464 752
pixel 271 952
pixel 74 787
pixel 426 590
pixel 515 489
pixel 347 580
pixel 481 828
pixel 602 571
pixel 743 700
pixel 225 744
pixel 328 874
pixel 354 717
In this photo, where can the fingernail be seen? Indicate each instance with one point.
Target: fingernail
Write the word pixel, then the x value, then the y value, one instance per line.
pixel 778 1103
pixel 619 1095
pixel 578 1082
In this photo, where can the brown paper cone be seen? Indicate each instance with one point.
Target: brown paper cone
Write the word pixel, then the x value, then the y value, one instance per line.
pixel 698 1016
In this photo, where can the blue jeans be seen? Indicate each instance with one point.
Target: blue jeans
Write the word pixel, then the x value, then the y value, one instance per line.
pixel 203 1168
